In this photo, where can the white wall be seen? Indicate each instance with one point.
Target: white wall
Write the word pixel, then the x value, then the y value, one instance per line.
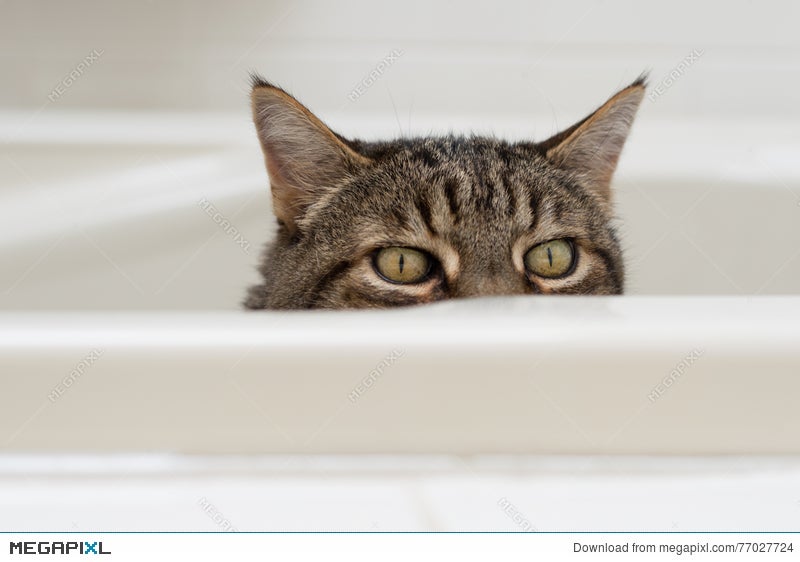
pixel 459 57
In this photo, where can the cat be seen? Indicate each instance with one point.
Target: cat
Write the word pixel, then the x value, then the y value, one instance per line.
pixel 418 220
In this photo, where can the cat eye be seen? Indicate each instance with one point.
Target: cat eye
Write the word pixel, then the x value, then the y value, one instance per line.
pixel 552 259
pixel 402 265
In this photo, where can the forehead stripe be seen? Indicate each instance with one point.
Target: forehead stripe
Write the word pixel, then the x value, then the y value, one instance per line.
pixel 424 208
pixel 450 192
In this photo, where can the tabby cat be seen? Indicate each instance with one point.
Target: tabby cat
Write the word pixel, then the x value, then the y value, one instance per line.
pixel 418 220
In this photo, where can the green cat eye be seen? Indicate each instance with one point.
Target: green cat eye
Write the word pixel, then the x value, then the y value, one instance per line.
pixel 402 265
pixel 551 259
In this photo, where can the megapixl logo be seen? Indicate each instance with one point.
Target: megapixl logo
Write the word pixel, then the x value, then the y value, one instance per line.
pixel 48 547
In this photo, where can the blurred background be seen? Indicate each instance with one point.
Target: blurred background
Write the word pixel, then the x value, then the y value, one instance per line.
pixel 134 198
pixel 515 59
pixel 129 160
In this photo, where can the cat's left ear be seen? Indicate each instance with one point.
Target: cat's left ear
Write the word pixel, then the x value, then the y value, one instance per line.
pixel 590 149
pixel 304 158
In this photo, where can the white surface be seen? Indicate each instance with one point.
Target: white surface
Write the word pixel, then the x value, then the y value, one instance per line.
pixel 507 375
pixel 156 493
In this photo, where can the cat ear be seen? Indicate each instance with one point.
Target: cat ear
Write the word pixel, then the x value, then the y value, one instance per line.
pixel 590 148
pixel 304 157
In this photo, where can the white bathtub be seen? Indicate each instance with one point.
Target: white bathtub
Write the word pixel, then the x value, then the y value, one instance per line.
pixel 117 202
pixel 121 335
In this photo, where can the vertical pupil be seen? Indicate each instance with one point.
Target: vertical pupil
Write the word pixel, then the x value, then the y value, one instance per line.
pixel 402 262
pixel 550 256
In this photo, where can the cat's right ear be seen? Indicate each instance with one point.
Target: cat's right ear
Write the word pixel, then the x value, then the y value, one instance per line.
pixel 304 158
pixel 591 148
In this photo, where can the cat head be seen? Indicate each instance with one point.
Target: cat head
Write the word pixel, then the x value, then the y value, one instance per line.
pixel 408 221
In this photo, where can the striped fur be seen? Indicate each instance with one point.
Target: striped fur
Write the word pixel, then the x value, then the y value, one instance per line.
pixel 475 204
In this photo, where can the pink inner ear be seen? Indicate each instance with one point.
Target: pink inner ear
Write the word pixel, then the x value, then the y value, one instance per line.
pixel 283 195
pixel 591 151
pixel 303 156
